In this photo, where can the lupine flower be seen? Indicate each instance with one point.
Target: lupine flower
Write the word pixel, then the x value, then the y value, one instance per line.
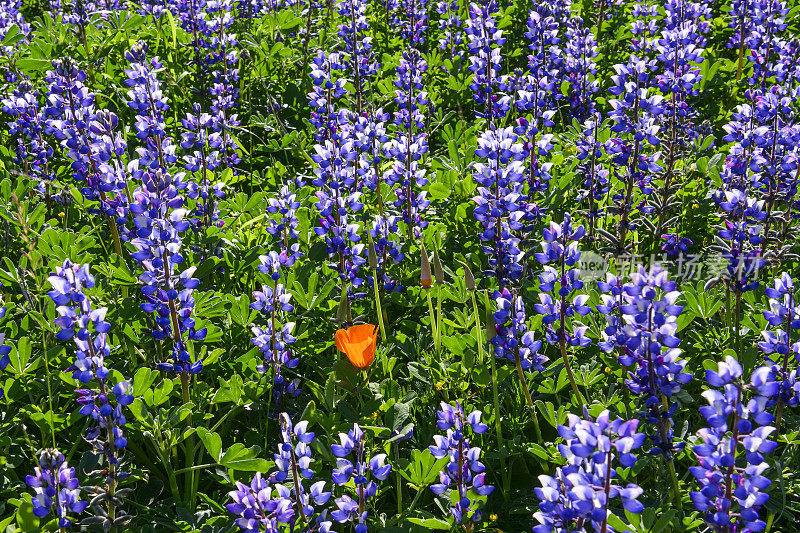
pixel 464 471
pixel 484 42
pixel 649 315
pixel 294 459
pixel 732 454
pixel 276 340
pixel 56 488
pixel 358 344
pixel 634 114
pixel 409 143
pixel 560 247
pixel 103 404
pixel 79 322
pixel 580 492
pixel 259 505
pixel 359 61
pixel 362 471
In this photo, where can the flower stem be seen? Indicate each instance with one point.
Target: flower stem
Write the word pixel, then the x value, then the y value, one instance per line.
pixel 563 345
pixel 378 303
pixel 433 321
pixel 528 399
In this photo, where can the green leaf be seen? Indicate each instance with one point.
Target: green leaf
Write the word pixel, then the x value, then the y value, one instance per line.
pixel 212 442
pixel 431 523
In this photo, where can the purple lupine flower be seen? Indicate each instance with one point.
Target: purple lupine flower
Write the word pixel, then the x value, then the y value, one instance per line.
pixel 596 177
pixel 32 151
pixel 78 321
pixel 614 337
pixel 362 471
pixel 335 159
pixel 649 314
pixel 581 491
pixel 276 340
pixel 560 247
pixel 464 471
pixel 580 68
pixel 409 144
pixel 731 496
pixel 485 60
pixel 282 225
pixel 783 317
pixel 359 59
pixel 513 339
pixel 412 17
pixel 450 24
pixel 499 182
pixel 73 122
pixel 259 505
pixel 204 139
pixel 293 461
pixel 104 404
pixel 634 114
pixel 56 488
pixel 222 58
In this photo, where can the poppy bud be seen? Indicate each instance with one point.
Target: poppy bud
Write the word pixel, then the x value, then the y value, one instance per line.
pixel 438 272
pixel 372 257
pixel 469 279
pixel 425 278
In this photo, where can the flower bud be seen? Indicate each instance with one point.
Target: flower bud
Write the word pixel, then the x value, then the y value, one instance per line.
pixel 372 257
pixel 469 279
pixel 425 278
pixel 438 271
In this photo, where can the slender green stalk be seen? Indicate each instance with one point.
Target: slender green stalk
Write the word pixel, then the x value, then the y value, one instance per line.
pixel 438 319
pixel 378 304
pixel 433 321
pixel 563 345
pixel 528 399
pixel 49 389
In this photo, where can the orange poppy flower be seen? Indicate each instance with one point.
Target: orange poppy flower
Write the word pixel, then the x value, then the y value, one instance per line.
pixel 358 344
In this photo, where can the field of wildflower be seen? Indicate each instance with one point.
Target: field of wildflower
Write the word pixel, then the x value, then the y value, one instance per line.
pixel 399 266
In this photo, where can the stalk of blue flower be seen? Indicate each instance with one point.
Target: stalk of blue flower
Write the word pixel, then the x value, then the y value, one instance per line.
pixel 784 315
pixel 649 312
pixel 360 472
pixel 580 494
pixel 734 422
pixel 55 485
pixel 484 42
pixel 561 245
pixel 294 457
pixel 360 62
pixel 634 116
pixel 72 106
pixel 275 342
pixel 595 176
pixel 409 144
pixel 464 471
pixel 76 316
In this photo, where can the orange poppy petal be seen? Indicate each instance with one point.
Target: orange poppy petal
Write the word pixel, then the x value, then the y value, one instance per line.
pixel 342 339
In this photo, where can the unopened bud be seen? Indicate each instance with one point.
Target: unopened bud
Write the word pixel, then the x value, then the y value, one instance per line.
pixel 373 258
pixel 425 278
pixel 438 272
pixel 469 279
